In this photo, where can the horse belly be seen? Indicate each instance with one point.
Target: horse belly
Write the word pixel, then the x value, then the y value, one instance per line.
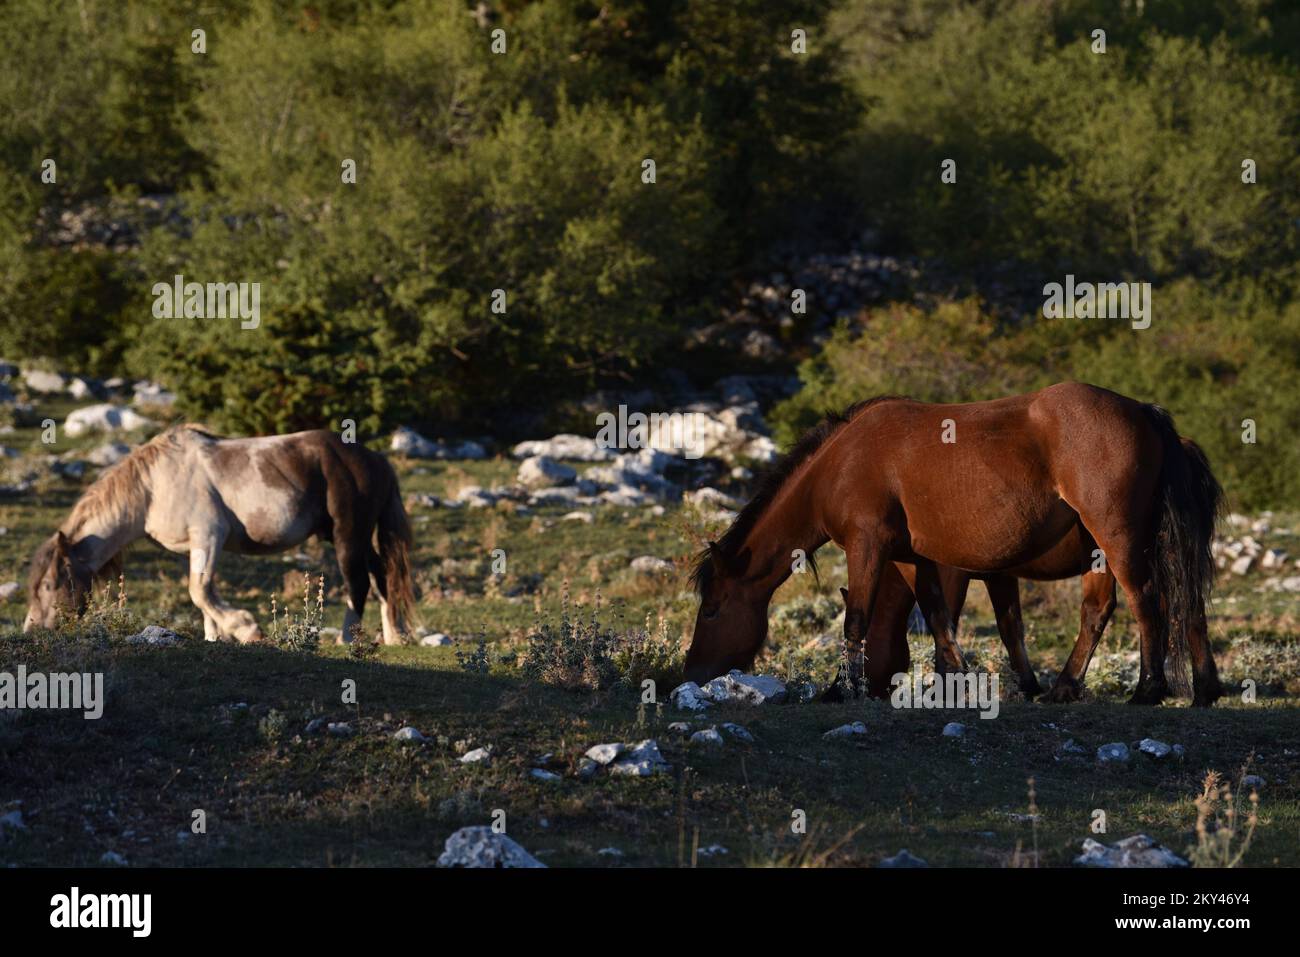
pixel 1000 537
pixel 269 521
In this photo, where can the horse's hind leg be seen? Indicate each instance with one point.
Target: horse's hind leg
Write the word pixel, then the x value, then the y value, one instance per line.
pixel 392 628
pixel 356 579
pixel 1132 569
pixel 1094 613
pixel 1206 688
pixel 1004 593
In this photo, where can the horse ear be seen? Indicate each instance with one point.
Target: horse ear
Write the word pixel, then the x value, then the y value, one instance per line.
pixel 62 547
pixel 845 593
pixel 715 556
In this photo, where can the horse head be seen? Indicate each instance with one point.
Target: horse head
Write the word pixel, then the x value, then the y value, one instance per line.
pixel 731 624
pixel 59 580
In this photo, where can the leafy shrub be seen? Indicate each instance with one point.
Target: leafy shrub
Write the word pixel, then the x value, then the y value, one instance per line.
pixel 584 654
pixel 300 632
pixel 1127 162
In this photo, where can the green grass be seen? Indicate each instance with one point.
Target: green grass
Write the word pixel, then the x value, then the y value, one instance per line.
pixel 170 741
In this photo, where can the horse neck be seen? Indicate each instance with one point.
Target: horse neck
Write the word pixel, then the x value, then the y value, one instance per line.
pixel 784 532
pixel 98 533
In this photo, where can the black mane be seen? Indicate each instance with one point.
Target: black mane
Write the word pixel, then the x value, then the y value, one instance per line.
pixel 770 482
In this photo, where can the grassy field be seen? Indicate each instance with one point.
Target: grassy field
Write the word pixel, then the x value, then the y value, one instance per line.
pixel 223 728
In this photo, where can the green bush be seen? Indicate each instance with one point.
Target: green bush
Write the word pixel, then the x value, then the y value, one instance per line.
pixel 1126 162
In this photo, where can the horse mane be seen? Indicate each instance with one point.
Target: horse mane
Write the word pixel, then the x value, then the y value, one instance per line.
pixel 113 489
pixel 770 482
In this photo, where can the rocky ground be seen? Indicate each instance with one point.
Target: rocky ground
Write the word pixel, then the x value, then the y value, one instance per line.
pixel 447 733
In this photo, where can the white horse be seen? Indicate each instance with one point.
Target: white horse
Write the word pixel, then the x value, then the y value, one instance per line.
pixel 197 493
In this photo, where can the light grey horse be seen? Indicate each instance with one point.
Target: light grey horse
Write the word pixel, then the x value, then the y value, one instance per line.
pixel 197 493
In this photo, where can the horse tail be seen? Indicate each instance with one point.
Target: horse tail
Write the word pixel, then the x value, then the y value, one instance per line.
pixel 1190 500
pixel 395 542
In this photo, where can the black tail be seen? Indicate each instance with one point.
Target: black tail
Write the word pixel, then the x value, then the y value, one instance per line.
pixel 1190 501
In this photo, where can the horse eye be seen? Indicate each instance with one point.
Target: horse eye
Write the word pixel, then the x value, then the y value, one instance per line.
pixel 711 612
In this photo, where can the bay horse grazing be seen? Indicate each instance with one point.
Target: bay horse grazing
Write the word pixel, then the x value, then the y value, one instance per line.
pixel 197 493
pixel 995 488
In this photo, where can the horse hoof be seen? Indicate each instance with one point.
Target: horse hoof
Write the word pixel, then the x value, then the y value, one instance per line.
pixel 1149 696
pixel 1204 696
pixel 1063 692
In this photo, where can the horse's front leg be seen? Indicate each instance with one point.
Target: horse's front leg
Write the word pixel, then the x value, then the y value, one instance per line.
pixel 218 617
pixel 866 561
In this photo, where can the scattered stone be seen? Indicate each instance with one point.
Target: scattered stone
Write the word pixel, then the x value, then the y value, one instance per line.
pixel 709 736
pixel 735 686
pixel 46 383
pixel 650 565
pixel 477 756
pixel 1136 851
pixel 340 729
pixel 1116 753
pixel 12 821
pixel 610 852
pixel 113 859
pixel 110 453
pixel 1072 747
pixel 587 769
pixel 689 697
pixel 80 389
pixel 480 846
pixel 603 754
pixel 104 417
pixel 153 395
pixel 1157 749
pixel 412 444
pixel 846 730
pixel 713 850
pixel 9 589
pixel 408 734
pixel 954 729
pixel 315 725
pixel 71 468
pixel 708 497
pixel 679 727
pixel 903 858
pixel 436 640
pixel 1253 781
pixel 541 472
pixel 585 517
pixel 738 732
pixel 1272 559
pixel 575 448
pixel 541 774
pixel 641 761
pixel 155 635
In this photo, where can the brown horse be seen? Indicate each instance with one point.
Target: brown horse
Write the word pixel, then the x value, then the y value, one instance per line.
pixel 995 488
pixel 193 492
